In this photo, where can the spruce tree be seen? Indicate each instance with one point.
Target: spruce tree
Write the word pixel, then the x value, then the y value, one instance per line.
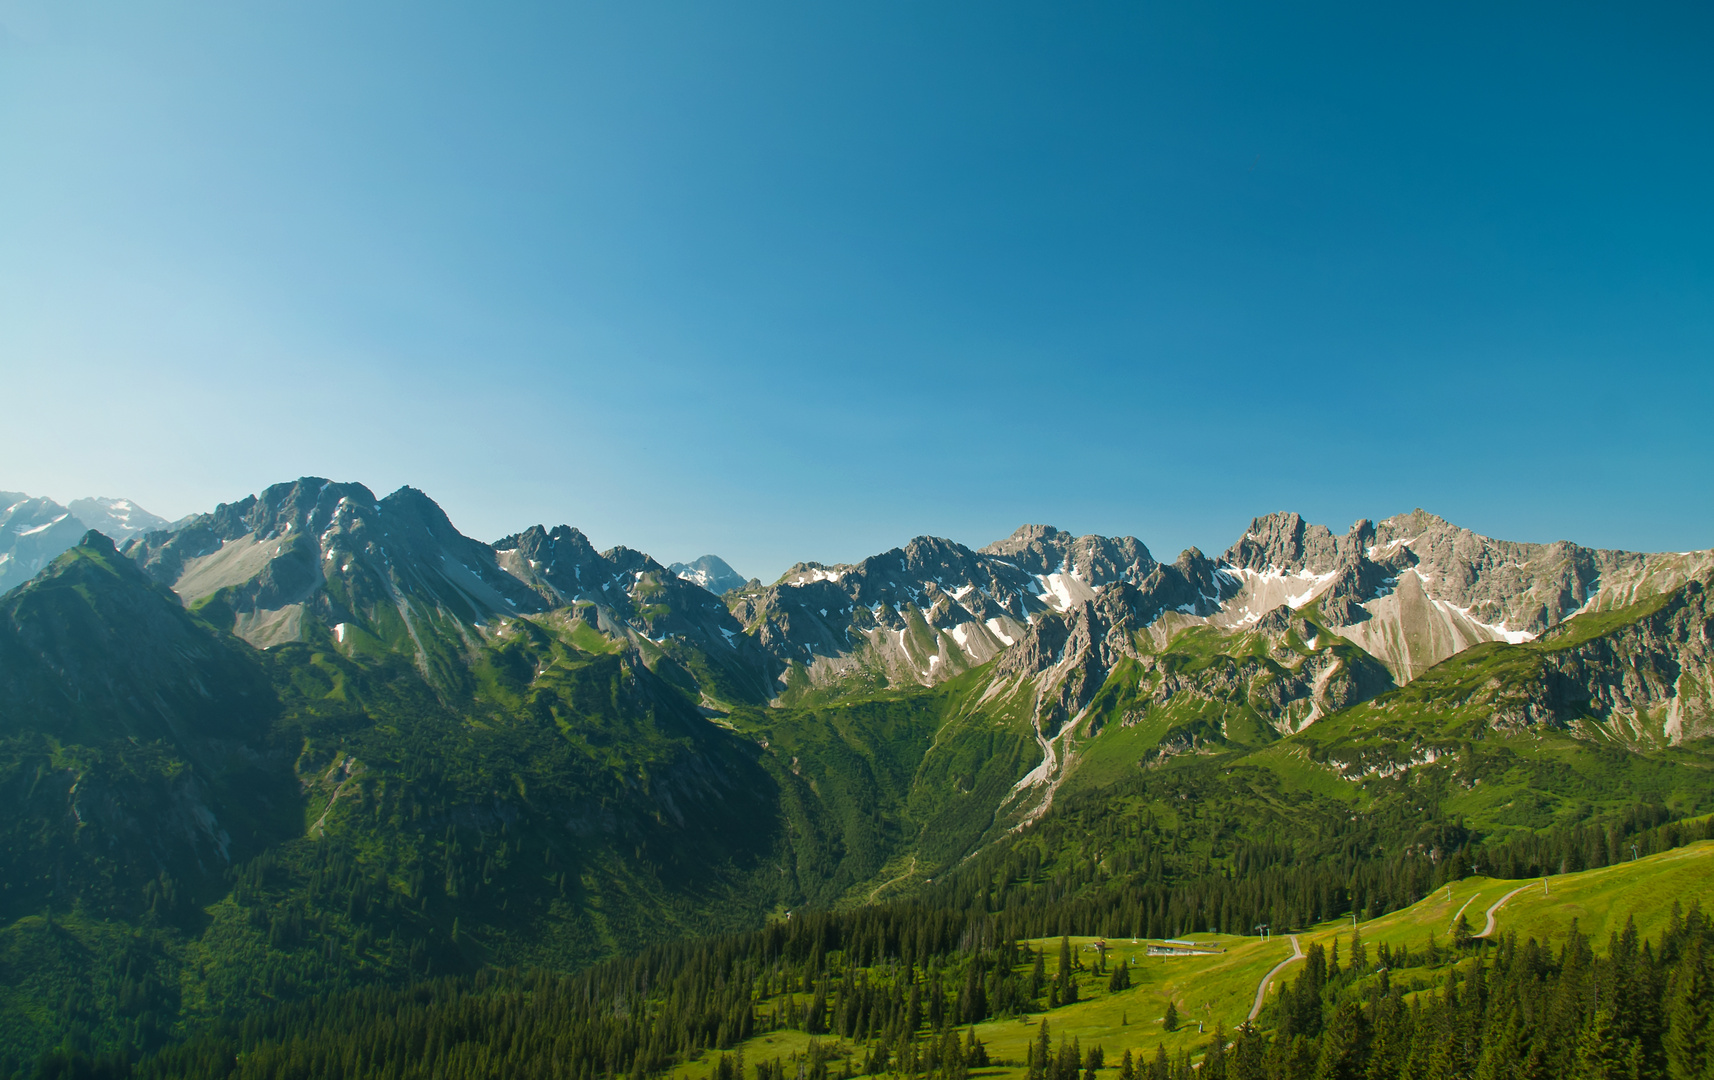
pixel 1247 1052
pixel 1461 933
pixel 1214 1057
pixel 1161 1067
pixel 1601 1053
pixel 975 1053
pixel 1344 1045
pixel 1689 1015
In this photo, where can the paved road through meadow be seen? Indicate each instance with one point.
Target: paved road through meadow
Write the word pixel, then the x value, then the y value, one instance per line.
pixel 1262 990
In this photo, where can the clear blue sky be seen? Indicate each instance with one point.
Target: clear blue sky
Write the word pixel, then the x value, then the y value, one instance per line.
pixel 800 281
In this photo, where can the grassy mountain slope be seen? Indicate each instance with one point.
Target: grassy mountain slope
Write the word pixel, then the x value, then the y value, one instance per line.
pixel 135 744
pixel 200 828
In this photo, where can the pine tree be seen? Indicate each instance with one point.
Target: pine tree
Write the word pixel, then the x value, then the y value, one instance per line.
pixel 1066 1062
pixel 1689 1016
pixel 1214 1057
pixel 1462 935
pixel 1601 1054
pixel 975 1053
pixel 1344 1045
pixel 1170 1020
pixel 1505 1049
pixel 816 1022
pixel 1161 1067
pixel 1247 1051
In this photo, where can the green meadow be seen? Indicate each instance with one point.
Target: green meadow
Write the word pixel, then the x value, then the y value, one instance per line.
pixel 1218 990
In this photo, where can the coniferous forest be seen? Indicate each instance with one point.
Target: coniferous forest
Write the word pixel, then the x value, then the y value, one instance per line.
pixel 896 990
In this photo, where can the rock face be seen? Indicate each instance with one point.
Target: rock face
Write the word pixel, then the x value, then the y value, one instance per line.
pixel 1653 677
pixel 934 608
pixel 622 591
pixel 1094 560
pixel 314 558
pixel 34 531
pixel 313 553
pixel 1416 589
pixel 1643 680
pixel 1298 676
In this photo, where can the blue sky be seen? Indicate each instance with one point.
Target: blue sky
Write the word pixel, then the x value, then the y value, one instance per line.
pixel 800 281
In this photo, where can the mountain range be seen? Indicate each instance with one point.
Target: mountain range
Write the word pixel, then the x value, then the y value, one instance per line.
pixel 318 739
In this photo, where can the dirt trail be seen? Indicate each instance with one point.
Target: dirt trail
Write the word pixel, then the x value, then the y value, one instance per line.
pixel 1460 911
pixel 876 891
pixel 1262 990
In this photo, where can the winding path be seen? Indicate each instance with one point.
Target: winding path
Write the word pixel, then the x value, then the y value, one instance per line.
pixel 877 889
pixel 1262 990
pixel 1467 903
pixel 1494 910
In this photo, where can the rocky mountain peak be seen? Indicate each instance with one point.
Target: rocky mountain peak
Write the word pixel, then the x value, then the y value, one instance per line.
pixel 711 572
pixel 1282 541
pixel 1096 560
pixel 1025 537
pixel 98 542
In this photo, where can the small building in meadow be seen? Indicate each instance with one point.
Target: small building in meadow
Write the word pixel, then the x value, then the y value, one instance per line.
pixel 1182 948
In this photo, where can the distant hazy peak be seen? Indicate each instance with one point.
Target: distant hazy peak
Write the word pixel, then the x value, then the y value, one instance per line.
pixel 35 530
pixel 711 572
pixel 118 518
